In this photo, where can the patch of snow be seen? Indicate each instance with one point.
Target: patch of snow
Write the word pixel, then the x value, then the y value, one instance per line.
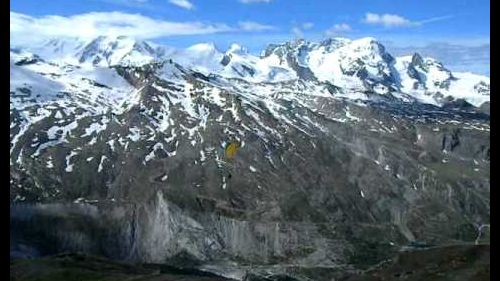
pixel 151 154
pixel 69 167
pixel 111 144
pixel 99 169
pixel 96 127
pixel 135 134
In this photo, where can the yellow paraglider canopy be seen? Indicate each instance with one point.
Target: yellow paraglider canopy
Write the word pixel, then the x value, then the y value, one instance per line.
pixel 231 150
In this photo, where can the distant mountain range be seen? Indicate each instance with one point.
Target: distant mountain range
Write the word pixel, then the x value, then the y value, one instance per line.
pixel 357 65
pixel 474 59
pixel 347 154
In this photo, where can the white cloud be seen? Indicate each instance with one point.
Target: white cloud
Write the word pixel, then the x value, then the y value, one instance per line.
pixel 298 29
pixel 338 29
pixel 387 20
pixel 93 24
pixel 307 25
pixel 297 32
pixel 254 1
pixel 254 26
pixel 435 19
pixel 390 20
pixel 185 4
pixel 28 29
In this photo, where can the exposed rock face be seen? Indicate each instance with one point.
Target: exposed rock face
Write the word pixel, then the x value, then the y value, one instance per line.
pixel 131 166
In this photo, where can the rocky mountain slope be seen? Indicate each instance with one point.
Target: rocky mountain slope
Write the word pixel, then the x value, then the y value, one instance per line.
pixel 347 154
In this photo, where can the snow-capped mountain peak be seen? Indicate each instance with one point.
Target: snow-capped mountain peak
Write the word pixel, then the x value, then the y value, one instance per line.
pixel 63 46
pixel 56 49
pixel 237 49
pixel 331 44
pixel 203 48
pixel 108 51
pixel 202 57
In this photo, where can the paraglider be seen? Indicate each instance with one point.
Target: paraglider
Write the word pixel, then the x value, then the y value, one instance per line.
pixel 230 152
pixel 231 149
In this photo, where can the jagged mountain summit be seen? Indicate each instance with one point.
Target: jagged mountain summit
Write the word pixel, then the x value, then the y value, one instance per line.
pixel 347 154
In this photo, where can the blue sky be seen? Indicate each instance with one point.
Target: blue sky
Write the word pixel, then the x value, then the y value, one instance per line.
pixel 255 23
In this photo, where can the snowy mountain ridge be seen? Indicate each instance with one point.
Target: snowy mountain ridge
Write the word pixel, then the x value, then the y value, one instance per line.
pixel 355 66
